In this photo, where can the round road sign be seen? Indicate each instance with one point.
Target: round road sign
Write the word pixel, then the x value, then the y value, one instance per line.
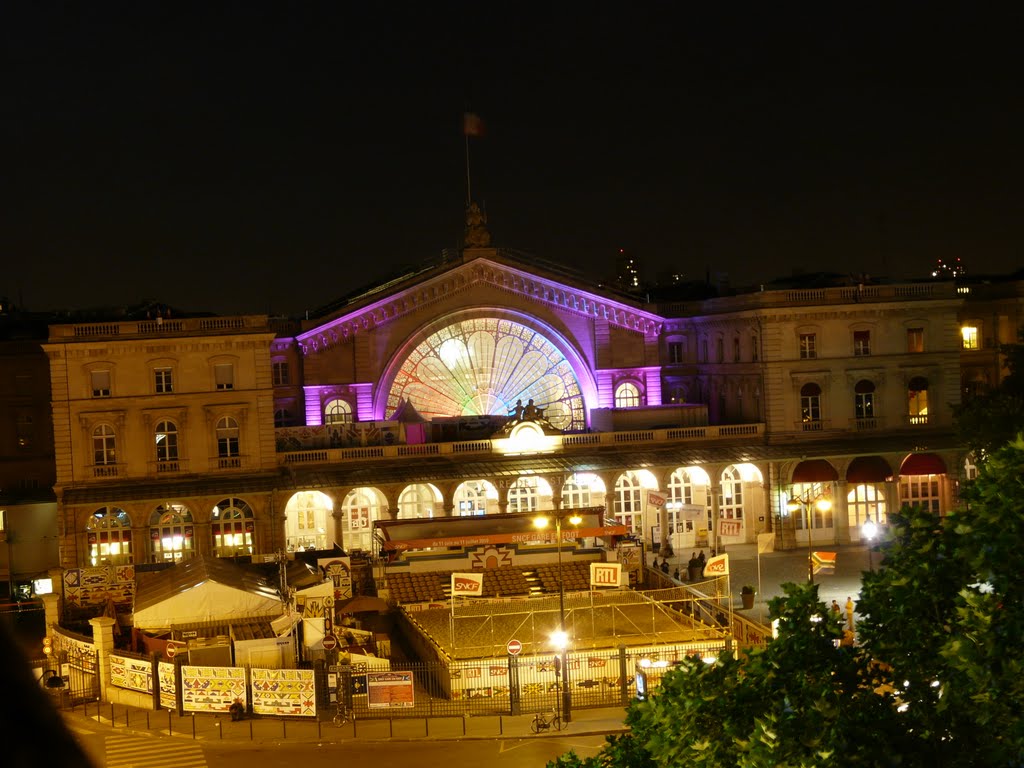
pixel 330 642
pixel 172 649
pixel 513 647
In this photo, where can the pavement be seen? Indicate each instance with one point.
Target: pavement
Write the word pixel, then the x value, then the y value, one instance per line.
pixel 766 571
pixel 271 731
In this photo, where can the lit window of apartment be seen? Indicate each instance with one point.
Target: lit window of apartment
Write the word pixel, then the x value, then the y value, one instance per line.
pixel 917 400
pixel 280 373
pixel 627 395
pixel 100 383
pixel 969 337
pixel 808 346
pixel 337 412
pixel 810 403
pixel 864 399
pixel 861 343
pixel 164 380
pixel 224 375
pixel 25 429
pixel 915 339
pixel 675 352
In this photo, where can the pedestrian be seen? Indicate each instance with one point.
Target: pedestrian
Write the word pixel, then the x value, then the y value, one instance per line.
pixel 237 709
pixel 849 613
pixel 703 560
pixel 836 610
pixel 664 566
pixel 675 573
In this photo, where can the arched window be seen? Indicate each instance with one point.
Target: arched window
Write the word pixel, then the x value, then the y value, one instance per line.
pixel 917 400
pixel 416 501
pixel 232 524
pixel 628 507
pixel 627 395
pixel 361 507
pixel 687 488
pixel 810 406
pixel 306 516
pixel 282 417
pixel 337 412
pixel 104 445
pixel 170 534
pixel 166 447
pixel 227 440
pixel 864 399
pixel 471 497
pixel 865 502
pixel 109 534
pixel 578 491
pixel 731 507
pixel 522 496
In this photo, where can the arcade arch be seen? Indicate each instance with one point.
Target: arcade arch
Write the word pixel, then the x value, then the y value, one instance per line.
pixel 306 521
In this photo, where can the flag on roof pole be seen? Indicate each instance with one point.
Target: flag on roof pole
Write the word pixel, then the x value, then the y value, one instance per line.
pixel 824 563
pixel 467 584
pixel 472 124
pixel 765 543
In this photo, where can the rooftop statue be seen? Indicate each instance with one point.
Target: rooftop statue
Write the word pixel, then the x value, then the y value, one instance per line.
pixel 477 234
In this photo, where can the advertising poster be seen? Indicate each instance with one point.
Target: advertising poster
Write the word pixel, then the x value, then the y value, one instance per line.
pixel 387 690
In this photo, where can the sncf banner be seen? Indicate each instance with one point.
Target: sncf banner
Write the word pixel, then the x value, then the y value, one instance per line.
pixel 467 584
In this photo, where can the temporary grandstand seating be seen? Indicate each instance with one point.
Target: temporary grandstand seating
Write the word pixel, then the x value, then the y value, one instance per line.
pixel 436 585
pixel 576 577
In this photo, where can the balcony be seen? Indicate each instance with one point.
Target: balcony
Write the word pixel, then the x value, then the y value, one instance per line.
pixel 865 424
pixel 167 467
pixel 919 420
pixel 108 471
pixel 558 444
pixel 226 462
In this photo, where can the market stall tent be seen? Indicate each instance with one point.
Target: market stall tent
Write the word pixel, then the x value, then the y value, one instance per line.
pixel 204 589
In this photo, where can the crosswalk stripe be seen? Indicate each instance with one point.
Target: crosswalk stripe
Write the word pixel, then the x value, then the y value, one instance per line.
pixel 139 752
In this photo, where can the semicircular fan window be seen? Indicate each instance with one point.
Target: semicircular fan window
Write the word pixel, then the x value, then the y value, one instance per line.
pixel 483 367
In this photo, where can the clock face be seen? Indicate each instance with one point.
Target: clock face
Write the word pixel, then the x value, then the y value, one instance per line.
pixel 485 366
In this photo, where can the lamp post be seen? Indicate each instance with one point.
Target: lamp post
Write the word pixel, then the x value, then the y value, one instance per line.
pixel 823 505
pixel 869 530
pixel 560 639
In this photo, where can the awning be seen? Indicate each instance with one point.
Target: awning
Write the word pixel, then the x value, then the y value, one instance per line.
pixel 814 471
pixel 923 464
pixel 868 469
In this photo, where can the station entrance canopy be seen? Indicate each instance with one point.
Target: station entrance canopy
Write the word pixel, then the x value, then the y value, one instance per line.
pixel 516 527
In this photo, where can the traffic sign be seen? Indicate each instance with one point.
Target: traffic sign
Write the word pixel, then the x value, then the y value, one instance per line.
pixel 513 647
pixel 330 642
pixel 173 648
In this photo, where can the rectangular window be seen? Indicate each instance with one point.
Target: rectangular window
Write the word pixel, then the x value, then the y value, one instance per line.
pixel 100 383
pixel 808 348
pixel 969 335
pixel 280 373
pixel 861 343
pixel 704 350
pixel 753 348
pixel 25 429
pixel 915 339
pixel 164 381
pixel 736 350
pixel 675 352
pixel 224 375
pixel 719 351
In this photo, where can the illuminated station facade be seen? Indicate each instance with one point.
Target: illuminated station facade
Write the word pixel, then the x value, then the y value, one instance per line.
pixel 490 383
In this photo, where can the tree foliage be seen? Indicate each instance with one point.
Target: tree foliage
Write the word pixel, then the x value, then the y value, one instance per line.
pixel 937 678
pixel 987 422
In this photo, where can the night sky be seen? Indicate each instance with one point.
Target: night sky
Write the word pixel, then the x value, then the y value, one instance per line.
pixel 262 157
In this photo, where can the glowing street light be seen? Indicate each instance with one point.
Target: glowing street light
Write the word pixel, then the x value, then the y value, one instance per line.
pixel 560 639
pixel 869 530
pixel 822 504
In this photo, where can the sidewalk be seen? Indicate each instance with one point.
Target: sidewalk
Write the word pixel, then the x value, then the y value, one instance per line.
pixel 272 731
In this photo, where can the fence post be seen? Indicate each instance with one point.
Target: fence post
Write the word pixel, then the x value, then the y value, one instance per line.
pixel 623 677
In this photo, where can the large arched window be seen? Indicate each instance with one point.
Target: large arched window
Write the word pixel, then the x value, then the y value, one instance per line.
pixel 482 366
pixel 306 516
pixel 580 490
pixel 627 395
pixel 417 501
pixel 337 412
pixel 232 525
pixel 104 445
pixel 688 488
pixel 109 534
pixel 166 437
pixel 227 442
pixel 628 504
pixel 359 509
pixel 917 400
pixel 525 494
pixel 171 534
pixel 731 507
pixel 810 406
pixel 865 502
pixel 472 496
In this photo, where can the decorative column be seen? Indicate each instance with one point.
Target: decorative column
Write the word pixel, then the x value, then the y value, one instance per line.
pixel 841 513
pixel 103 640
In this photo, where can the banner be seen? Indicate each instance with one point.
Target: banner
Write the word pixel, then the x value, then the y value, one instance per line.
pixel 467 584
pixel 655 500
pixel 717 566
pixel 605 574
pixel 730 527
pixel 824 563
pixel 765 543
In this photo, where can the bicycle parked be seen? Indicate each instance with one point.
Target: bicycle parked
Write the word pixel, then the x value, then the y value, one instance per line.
pixel 544 721
pixel 342 715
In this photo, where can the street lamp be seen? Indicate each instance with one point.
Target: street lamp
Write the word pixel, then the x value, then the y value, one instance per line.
pixel 560 640
pixel 869 530
pixel 822 505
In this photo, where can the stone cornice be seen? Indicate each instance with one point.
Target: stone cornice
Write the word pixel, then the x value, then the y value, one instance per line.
pixel 515 282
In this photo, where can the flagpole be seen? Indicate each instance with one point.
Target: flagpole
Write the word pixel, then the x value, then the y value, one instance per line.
pixel 760 607
pixel 469 184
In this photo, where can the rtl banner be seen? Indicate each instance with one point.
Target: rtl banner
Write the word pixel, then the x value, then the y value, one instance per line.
pixel 605 574
pixel 717 566
pixel 467 584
